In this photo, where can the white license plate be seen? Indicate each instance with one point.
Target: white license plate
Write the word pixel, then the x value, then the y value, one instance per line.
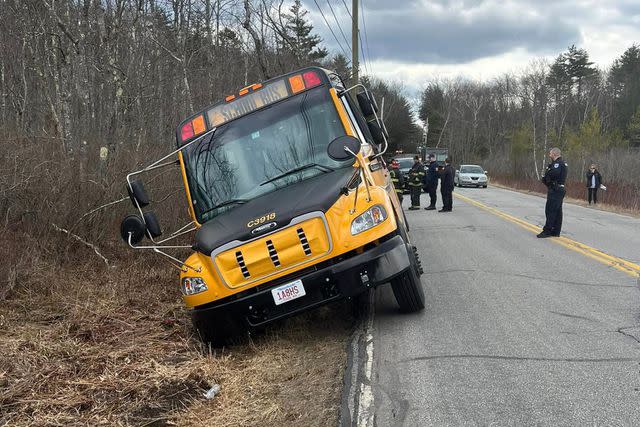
pixel 288 292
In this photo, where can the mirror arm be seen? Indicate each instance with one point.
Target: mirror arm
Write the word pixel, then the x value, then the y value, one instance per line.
pixel 179 232
pixel 156 249
pixel 386 142
pixel 355 200
pixel 364 177
pixel 158 164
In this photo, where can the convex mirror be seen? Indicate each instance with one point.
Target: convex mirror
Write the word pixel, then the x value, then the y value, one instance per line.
pixel 343 148
pixel 133 226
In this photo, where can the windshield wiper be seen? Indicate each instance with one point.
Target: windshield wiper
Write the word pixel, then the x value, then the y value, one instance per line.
pixel 296 170
pixel 226 203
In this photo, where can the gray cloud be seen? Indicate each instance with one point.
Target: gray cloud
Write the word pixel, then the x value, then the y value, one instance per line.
pixel 453 32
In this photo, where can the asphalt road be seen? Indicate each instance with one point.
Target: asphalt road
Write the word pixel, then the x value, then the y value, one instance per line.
pixel 517 330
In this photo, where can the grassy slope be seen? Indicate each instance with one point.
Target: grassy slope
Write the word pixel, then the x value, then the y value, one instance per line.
pixel 89 345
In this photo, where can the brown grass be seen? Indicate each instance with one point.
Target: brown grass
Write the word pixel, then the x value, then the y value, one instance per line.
pixel 619 198
pixel 86 344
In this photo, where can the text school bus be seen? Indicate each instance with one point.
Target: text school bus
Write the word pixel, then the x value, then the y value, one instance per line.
pixel 291 205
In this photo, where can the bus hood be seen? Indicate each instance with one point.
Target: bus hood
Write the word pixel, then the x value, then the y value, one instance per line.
pixel 311 195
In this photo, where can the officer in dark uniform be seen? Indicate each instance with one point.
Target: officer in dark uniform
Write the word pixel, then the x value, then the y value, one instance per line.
pixel 397 178
pixel 416 175
pixel 446 186
pixel 431 182
pixel 554 178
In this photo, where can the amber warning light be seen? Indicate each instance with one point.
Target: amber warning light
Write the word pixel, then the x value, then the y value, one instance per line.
pixel 247 100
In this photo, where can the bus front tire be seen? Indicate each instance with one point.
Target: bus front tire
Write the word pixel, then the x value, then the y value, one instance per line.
pixel 407 287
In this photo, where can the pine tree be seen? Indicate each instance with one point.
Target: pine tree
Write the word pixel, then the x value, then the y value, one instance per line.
pixel 432 110
pixel 578 67
pixel 304 46
pixel 559 79
pixel 341 65
pixel 624 83
pixel 633 130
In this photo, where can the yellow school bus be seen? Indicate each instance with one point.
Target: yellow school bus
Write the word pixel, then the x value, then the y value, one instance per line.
pixel 291 205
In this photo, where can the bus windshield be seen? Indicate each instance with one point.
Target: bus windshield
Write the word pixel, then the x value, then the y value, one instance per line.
pixel 274 147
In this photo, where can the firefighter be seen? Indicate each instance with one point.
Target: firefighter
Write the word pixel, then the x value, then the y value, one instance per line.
pixel 397 178
pixel 416 175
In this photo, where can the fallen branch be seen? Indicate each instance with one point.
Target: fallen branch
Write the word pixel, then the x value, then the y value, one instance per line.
pixel 81 240
pixel 97 209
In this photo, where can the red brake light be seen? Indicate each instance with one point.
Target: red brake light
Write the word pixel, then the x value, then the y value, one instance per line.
pixel 186 132
pixel 311 79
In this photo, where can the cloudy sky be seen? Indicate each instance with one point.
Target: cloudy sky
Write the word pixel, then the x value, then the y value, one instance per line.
pixel 414 41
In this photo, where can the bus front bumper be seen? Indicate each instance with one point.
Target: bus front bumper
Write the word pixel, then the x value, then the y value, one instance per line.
pixel 344 279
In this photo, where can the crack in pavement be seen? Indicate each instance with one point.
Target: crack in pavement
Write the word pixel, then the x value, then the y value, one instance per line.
pixel 522 358
pixel 572 316
pixel 624 328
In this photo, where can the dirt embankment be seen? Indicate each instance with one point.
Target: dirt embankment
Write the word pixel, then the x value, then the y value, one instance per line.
pixel 93 345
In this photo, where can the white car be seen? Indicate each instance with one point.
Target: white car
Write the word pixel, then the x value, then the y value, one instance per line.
pixel 471 176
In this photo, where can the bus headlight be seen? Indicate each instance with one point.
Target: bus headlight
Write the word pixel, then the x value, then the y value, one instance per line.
pixel 193 285
pixel 369 219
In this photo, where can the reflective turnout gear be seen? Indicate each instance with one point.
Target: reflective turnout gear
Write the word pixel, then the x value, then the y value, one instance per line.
pixel 416 175
pixel 398 181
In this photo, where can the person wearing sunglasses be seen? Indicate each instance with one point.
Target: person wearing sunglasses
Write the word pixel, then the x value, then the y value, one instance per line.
pixel 594 181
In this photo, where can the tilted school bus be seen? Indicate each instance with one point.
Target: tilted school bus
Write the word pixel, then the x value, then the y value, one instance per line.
pixel 291 205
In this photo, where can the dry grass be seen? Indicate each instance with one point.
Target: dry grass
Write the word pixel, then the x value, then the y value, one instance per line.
pixel 87 345
pixel 618 198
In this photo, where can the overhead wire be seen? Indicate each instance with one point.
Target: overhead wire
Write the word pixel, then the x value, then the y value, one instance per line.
pixel 330 29
pixel 335 18
pixel 366 37
pixel 360 51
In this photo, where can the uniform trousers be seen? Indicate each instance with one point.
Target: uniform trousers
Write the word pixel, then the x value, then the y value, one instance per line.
pixel 553 210
pixel 415 194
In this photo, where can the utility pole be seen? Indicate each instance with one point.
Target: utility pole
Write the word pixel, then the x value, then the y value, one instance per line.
pixel 354 41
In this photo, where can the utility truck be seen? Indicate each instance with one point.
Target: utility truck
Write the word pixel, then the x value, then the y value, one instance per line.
pixel 290 201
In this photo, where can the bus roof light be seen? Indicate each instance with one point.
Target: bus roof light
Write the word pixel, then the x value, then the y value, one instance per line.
pixel 187 131
pixel 198 125
pixel 297 84
pixel 230 98
pixel 311 79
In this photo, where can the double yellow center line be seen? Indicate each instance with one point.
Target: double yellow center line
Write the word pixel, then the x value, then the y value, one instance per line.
pixel 610 260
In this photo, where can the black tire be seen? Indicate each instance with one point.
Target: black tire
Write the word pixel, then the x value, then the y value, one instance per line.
pixel 484 186
pixel 219 335
pixel 407 287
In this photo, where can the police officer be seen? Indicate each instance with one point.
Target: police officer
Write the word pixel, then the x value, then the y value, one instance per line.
pixel 554 178
pixel 397 178
pixel 416 175
pixel 446 186
pixel 431 182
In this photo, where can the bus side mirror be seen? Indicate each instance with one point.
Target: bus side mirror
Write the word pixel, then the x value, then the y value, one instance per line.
pixel 378 132
pixel 137 193
pixel 343 148
pixel 367 103
pixel 132 226
pixel 153 225
pixel 486 172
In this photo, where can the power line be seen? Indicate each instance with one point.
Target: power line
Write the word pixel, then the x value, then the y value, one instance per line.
pixel 366 37
pixel 347 7
pixel 329 27
pixel 339 26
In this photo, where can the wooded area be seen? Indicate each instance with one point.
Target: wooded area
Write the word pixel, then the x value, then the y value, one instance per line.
pixel 510 123
pixel 90 89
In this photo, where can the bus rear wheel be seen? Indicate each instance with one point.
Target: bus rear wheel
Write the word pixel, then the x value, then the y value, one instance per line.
pixel 407 287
